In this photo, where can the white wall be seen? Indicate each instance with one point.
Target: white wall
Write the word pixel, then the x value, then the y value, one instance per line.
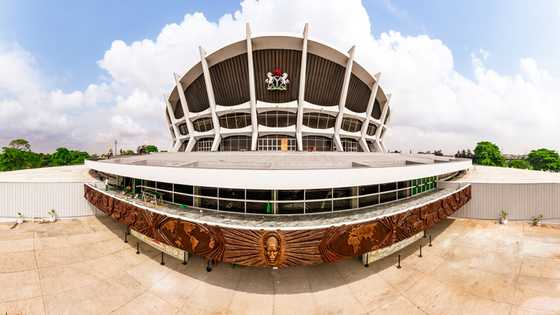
pixel 521 201
pixel 36 199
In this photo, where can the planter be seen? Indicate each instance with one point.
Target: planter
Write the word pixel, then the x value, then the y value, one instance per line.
pixel 503 221
pixel 19 220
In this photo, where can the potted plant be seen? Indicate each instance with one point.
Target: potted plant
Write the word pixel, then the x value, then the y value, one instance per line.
pixel 536 220
pixel 503 217
pixel 19 219
pixel 52 215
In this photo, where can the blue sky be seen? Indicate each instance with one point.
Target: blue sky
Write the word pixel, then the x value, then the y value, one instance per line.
pixel 68 37
pixel 459 71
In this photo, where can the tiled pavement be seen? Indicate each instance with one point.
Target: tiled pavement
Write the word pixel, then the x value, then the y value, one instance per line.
pixel 84 267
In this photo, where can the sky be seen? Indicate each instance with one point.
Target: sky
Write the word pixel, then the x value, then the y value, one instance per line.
pixel 83 73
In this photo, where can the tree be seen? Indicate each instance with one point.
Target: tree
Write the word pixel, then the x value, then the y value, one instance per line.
pixel 487 153
pixel 522 164
pixel 20 144
pixel 544 159
pixel 151 148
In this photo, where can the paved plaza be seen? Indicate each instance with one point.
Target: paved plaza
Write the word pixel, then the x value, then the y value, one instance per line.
pixel 83 266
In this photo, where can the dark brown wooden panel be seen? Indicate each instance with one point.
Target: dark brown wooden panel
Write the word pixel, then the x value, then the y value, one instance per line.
pixel 230 81
pixel 178 110
pixel 266 60
pixel 323 81
pixel 196 95
pixel 358 95
pixel 279 248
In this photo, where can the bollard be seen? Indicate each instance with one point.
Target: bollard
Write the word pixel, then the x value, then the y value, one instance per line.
pixel 399 261
pixel 162 262
pixel 209 266
pixel 420 251
pixel 425 236
pixel 184 258
pixel 430 240
pixel 137 248
pixel 126 236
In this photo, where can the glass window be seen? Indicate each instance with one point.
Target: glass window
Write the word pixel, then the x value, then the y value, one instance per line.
pixel 318 206
pixel 277 119
pixel 318 120
pixel 388 197
pixel 345 204
pixel 388 186
pixel 291 194
pixel 185 189
pixel 183 200
pixel 209 203
pixel 290 208
pixel 164 186
pixel 260 207
pixel 232 193
pixel 351 125
pixel 369 201
pixel 203 124
pixel 232 206
pixel 183 129
pixel 317 143
pixel 236 143
pixel 204 144
pixel 235 120
pixel 276 143
pixel 208 191
pixel 371 129
pixel 370 189
pixel 311 194
pixel 253 194
pixel 350 145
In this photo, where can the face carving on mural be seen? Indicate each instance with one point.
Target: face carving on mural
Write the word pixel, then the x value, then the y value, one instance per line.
pixel 272 249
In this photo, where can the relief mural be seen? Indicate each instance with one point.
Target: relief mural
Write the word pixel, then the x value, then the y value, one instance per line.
pixel 280 248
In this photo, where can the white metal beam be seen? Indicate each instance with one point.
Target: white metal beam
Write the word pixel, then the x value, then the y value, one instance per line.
pixel 301 95
pixel 343 95
pixel 252 93
pixel 369 109
pixel 211 99
pixel 184 106
pixel 378 141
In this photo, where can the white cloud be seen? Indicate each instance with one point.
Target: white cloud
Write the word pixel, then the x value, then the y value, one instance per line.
pixel 433 106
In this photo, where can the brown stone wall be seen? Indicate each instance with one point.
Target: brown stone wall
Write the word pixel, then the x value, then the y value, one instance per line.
pixel 280 248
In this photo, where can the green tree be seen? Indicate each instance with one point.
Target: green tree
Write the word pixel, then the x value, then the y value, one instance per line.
pixel 544 159
pixel 151 148
pixel 20 144
pixel 487 153
pixel 522 164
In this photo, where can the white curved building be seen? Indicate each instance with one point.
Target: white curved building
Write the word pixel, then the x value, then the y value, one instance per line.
pixel 305 177
pixel 275 93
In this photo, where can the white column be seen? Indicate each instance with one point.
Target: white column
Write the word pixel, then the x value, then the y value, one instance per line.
pixel 301 95
pixel 211 100
pixel 343 95
pixel 369 109
pixel 186 112
pixel 252 93
pixel 378 141
pixel 170 122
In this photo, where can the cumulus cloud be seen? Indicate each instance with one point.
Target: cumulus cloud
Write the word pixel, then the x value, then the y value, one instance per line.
pixel 433 106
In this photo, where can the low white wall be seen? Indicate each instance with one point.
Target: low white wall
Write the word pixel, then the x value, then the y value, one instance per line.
pixel 521 201
pixel 36 199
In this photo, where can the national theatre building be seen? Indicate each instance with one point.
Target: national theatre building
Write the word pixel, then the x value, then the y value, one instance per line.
pixel 278 159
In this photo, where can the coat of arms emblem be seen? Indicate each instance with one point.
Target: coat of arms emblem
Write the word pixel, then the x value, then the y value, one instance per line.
pixel 277 80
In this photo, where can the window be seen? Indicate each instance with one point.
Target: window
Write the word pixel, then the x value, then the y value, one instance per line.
pixel 183 130
pixel 236 143
pixel 277 119
pixel 276 143
pixel 350 145
pixel 317 143
pixel 318 120
pixel 371 129
pixel 204 144
pixel 203 124
pixel 351 125
pixel 235 120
